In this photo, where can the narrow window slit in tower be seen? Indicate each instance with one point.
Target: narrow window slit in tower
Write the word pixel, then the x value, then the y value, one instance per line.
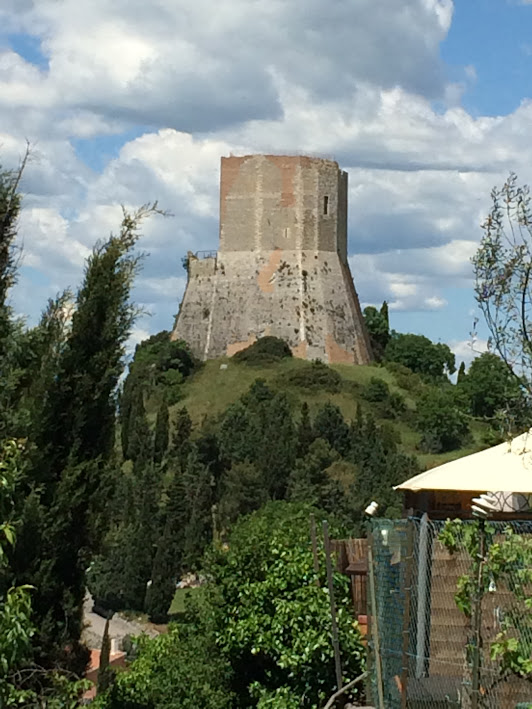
pixel 326 205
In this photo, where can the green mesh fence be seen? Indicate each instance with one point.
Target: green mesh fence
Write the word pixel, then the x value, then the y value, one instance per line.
pixel 426 643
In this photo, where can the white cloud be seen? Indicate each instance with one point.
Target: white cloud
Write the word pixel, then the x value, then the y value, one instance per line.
pixel 356 81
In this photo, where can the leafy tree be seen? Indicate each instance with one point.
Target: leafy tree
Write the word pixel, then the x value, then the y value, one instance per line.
pixel 160 440
pixel 330 425
pixel 271 620
pixel 420 355
pixel 378 328
pixel 490 385
pixel 181 669
pixel 461 373
pixel 503 560
pixel 441 420
pixel 16 628
pixel 503 265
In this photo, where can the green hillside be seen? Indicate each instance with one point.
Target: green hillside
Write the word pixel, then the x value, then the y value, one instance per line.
pixel 209 391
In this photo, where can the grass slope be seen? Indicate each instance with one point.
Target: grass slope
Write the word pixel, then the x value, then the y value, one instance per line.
pixel 221 382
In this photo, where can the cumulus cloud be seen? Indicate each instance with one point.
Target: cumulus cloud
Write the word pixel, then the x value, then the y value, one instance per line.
pixel 355 81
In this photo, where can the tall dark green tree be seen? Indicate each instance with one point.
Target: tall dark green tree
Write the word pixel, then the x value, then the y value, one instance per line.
pixel 180 439
pixel 330 425
pixel 74 438
pixel 461 373
pixel 199 490
pixel 160 436
pixel 305 432
pixel 168 560
pixel 378 328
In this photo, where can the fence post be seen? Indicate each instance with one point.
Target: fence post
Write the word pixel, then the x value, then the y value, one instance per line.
pixel 406 614
pixel 422 596
pixel 334 627
pixel 374 621
pixel 477 618
pixel 314 548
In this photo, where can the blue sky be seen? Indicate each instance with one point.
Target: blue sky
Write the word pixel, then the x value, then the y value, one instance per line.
pixel 426 103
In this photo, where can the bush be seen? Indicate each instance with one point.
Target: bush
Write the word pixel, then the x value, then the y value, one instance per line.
pixel 376 390
pixel 314 376
pixel 405 377
pixel 266 350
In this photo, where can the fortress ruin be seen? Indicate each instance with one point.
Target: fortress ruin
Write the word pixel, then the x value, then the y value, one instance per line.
pixel 281 268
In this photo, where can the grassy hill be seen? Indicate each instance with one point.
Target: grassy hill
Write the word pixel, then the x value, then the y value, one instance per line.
pixel 220 382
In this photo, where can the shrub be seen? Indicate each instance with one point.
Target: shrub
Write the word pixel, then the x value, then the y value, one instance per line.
pixel 266 350
pixel 314 375
pixel 376 390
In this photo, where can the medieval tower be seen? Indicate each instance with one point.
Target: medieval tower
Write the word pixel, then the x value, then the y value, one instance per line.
pixel 281 268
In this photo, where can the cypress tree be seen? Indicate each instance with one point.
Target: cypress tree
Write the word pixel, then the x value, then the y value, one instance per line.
pixel 384 313
pixel 104 671
pixel 74 439
pixel 330 425
pixel 180 444
pixel 305 433
pixel 168 560
pixel 198 533
pixel 461 373
pixel 160 439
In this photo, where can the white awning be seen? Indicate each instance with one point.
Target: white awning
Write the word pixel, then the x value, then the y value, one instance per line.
pixel 507 466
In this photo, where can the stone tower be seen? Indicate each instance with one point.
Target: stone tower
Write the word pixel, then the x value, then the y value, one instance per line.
pixel 281 268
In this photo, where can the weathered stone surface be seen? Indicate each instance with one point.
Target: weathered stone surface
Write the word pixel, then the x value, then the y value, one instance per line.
pixel 282 265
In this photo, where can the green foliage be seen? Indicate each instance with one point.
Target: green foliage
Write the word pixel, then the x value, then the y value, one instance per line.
pixel 378 328
pixel 461 373
pixel 105 673
pixel 160 438
pixel 73 437
pixel 330 425
pixel 490 385
pixel 502 267
pixel 266 350
pixel 506 562
pixel 420 355
pixel 272 621
pixel 376 390
pixel 309 481
pixel 441 419
pixel 305 432
pixel 243 490
pixel 181 669
pixel 313 376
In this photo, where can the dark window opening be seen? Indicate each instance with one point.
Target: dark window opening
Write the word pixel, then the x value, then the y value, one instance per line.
pixel 326 205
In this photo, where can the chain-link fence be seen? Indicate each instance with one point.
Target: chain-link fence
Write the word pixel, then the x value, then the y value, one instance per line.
pixel 450 625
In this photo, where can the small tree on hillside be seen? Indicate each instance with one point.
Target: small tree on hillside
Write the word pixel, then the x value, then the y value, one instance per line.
pixel 503 282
